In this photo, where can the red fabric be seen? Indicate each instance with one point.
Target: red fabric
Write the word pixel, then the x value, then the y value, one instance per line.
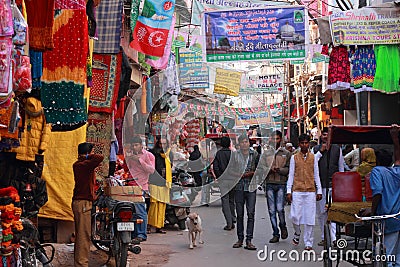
pixel 70 41
pixel 40 20
pixel 153 41
pixel 339 68
pixel 106 79
pixel 335 114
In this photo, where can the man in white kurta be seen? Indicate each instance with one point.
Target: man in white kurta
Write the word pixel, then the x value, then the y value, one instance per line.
pixel 303 190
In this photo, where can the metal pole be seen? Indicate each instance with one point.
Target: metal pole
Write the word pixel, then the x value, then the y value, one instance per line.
pixel 298 107
pixel 304 103
pixel 288 100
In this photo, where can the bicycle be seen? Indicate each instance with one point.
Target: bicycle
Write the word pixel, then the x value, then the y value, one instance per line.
pixel 378 247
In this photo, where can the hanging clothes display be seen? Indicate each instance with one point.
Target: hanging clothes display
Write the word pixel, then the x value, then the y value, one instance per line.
pixel 339 69
pixel 40 20
pixel 363 68
pixel 387 75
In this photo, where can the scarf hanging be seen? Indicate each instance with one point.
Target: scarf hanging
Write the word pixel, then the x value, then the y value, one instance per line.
pixel 168 169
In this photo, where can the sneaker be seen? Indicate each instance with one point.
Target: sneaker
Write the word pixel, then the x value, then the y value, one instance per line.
pixel 238 244
pixel 274 239
pixel 295 241
pixel 284 232
pixel 321 243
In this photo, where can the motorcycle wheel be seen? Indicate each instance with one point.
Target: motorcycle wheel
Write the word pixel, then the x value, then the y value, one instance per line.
pixel 98 233
pixel 120 251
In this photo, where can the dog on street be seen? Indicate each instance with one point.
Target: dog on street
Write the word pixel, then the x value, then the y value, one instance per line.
pixel 193 224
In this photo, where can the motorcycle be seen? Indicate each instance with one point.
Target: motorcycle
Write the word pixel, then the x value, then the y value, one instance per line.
pixel 113 222
pixel 182 195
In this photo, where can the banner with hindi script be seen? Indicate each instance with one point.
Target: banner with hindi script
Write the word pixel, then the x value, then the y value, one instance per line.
pixel 193 73
pixel 366 26
pixel 199 6
pixel 255 34
pixel 227 82
pixel 152 27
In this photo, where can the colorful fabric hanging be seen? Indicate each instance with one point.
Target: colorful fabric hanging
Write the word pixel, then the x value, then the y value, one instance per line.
pixel 40 20
pixel 106 79
pixel 339 69
pixel 387 75
pixel 363 69
pixel 109 25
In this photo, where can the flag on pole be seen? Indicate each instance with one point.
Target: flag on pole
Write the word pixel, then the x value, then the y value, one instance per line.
pixel 150 34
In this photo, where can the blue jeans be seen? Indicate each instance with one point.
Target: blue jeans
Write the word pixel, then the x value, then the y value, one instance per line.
pixel 141 229
pixel 392 243
pixel 275 194
pixel 243 198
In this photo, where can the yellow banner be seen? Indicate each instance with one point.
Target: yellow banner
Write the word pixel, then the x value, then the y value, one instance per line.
pixel 227 82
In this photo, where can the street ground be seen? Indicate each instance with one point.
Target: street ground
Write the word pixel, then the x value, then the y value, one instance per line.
pixel 172 249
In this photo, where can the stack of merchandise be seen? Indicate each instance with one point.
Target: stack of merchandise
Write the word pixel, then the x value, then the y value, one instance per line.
pixel 193 130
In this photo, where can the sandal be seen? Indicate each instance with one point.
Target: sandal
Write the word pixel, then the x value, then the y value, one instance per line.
pixel 160 231
pixel 238 244
pixel 250 246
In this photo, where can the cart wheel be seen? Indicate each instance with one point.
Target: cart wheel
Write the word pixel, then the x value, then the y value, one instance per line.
pixel 327 246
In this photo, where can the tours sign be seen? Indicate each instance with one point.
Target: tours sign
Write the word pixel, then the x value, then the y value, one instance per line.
pixel 366 26
pixel 255 34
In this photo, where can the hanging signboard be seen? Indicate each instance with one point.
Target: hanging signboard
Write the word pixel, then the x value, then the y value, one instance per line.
pixel 253 118
pixel 267 83
pixel 366 26
pixel 227 82
pixel 192 72
pixel 199 6
pixel 255 34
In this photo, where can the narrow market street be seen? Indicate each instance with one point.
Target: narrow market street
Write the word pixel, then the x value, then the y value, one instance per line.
pixel 217 249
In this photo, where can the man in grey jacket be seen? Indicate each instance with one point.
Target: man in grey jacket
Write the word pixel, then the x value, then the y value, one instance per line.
pixel 275 187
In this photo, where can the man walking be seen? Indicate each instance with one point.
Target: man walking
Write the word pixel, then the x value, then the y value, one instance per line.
pixel 275 188
pixel 82 200
pixel 330 161
pixel 245 162
pixel 141 164
pixel 303 189
pixel 226 183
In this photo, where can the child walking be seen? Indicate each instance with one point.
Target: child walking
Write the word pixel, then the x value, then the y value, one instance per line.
pixel 302 185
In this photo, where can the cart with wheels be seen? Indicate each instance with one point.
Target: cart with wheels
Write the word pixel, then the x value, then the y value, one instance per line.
pixel 359 241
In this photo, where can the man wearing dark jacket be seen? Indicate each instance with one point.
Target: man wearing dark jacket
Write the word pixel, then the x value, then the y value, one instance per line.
pixel 275 188
pixel 331 161
pixel 82 200
pixel 225 182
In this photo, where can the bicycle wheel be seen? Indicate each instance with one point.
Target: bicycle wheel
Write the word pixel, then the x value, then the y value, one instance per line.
pixel 100 234
pixel 327 246
pixel 120 251
pixel 379 255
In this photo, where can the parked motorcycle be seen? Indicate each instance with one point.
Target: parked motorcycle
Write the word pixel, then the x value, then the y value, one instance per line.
pixel 113 222
pixel 182 195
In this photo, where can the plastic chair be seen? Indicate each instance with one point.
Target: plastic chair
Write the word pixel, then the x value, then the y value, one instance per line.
pixel 346 187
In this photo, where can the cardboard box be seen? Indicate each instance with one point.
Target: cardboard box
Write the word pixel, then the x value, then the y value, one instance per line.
pixel 125 193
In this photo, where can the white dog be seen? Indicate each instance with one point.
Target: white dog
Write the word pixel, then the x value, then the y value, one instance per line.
pixel 193 224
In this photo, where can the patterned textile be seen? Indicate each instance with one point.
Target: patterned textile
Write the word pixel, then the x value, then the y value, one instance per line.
pixel 67 61
pixel 106 77
pixel 63 103
pixel 109 24
pixel 363 69
pixel 99 133
pixel 339 69
pixel 40 20
pixel 68 4
pixel 387 75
